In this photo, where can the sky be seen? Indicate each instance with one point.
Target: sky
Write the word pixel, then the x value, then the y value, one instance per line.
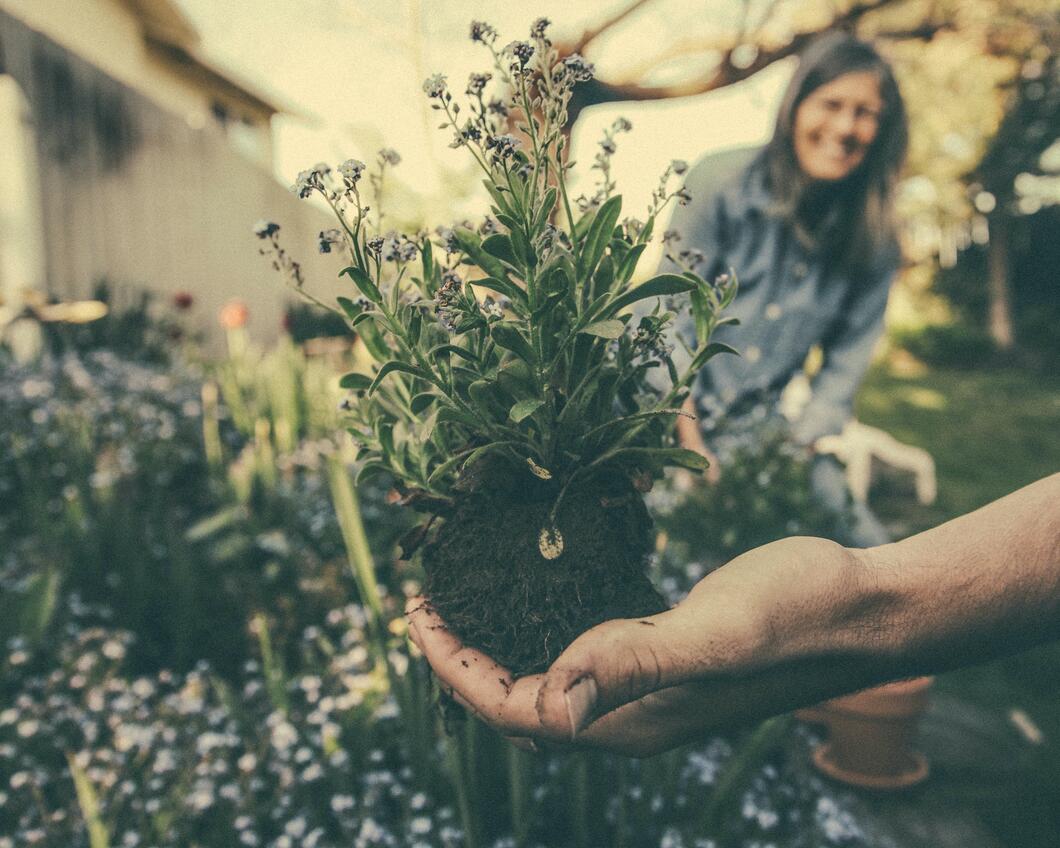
pixel 357 67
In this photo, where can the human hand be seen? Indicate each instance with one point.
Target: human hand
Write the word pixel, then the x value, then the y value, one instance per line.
pixel 642 686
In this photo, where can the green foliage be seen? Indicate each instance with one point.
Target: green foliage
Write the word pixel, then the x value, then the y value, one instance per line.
pixel 136 324
pixel 948 345
pixel 184 512
pixel 764 494
pixel 514 339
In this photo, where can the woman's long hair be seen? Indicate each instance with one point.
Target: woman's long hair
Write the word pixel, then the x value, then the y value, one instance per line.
pixel 858 221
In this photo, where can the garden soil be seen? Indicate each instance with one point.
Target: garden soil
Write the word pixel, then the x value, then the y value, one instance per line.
pixel 487 579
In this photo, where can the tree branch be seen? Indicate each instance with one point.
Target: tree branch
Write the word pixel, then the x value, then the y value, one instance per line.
pixel 725 73
pixel 592 33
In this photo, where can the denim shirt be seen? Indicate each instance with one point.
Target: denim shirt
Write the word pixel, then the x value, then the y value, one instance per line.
pixel 787 301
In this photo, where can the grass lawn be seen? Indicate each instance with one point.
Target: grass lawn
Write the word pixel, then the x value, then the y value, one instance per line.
pixel 990 432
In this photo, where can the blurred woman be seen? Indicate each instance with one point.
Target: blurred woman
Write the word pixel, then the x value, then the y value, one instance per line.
pixel 806 223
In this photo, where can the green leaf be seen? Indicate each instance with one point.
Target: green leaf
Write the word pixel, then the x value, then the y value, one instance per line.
pixel 525 408
pixel 656 286
pixel 360 319
pixel 385 434
pixel 665 456
pixel 629 263
pixel 421 401
pixel 547 204
pixel 556 281
pixel 515 378
pixel 550 303
pixel 498 196
pixel 445 349
pixel 458 416
pixel 425 428
pixel 373 340
pixel 522 249
pixel 626 420
pixel 88 801
pixel 355 381
pixel 505 287
pixel 604 277
pixel 509 221
pixel 507 336
pixel 214 524
pixel 363 282
pixel 472 246
pixel 492 447
pixel 427 255
pixel 351 309
pixel 501 246
pixel 394 365
pixel 481 392
pixel 414 325
pixel 610 328
pixel 369 470
pixel 598 236
pixel 710 351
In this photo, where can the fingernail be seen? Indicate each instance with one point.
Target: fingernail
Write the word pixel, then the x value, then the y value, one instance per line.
pixel 581 699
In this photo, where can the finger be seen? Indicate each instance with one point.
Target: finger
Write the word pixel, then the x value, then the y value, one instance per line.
pixel 613 664
pixel 484 686
pixel 653 724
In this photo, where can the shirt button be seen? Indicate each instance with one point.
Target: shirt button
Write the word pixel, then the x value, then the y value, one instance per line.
pixel 753 354
pixel 773 311
pixel 800 270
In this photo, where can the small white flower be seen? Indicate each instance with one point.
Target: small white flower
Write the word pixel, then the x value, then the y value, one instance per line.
pixel 434 85
pixel 351 170
pixel 420 825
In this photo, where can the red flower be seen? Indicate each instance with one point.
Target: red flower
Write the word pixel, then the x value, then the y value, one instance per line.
pixel 183 301
pixel 234 315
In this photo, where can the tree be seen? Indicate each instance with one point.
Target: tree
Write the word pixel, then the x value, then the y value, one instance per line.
pixel 979 77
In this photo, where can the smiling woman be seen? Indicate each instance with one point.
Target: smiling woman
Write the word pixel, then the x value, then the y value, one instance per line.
pixel 806 224
pixel 836 125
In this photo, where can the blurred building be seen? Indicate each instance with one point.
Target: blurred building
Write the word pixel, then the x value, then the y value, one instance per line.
pixel 132 157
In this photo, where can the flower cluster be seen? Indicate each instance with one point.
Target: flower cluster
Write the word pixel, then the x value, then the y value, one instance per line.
pixel 662 194
pixel 351 171
pixel 446 299
pixel 602 163
pixel 502 147
pixel 310 180
pixel 281 260
pixel 397 247
pixel 483 32
pixel 649 341
pixel 327 239
pixel 180 759
pixel 576 69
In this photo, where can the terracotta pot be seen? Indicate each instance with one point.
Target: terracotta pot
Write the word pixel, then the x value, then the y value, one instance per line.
pixel 871 735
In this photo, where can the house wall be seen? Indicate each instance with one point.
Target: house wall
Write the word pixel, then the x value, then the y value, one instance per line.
pixel 108 35
pixel 132 194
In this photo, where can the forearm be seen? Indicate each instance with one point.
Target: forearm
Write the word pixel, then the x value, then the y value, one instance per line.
pixel 981 586
pixel 977 587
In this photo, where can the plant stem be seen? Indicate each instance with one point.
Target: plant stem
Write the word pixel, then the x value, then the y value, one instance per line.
pixel 518 795
pixel 763 741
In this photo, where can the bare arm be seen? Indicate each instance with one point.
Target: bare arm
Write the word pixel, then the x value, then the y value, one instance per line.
pixel 785 625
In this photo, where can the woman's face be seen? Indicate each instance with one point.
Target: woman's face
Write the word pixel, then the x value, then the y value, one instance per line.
pixel 836 124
